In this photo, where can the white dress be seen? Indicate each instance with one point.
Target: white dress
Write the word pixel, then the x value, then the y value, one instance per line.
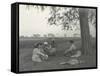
pixel 36 55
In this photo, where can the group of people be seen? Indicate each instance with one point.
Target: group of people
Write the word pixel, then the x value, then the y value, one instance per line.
pixel 42 51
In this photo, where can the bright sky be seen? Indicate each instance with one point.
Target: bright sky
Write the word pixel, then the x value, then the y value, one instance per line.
pixel 34 21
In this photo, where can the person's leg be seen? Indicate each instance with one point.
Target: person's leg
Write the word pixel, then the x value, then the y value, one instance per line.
pixel 77 54
pixel 67 54
pixel 70 53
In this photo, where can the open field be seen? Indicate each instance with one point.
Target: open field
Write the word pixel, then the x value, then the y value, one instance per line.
pixel 27 45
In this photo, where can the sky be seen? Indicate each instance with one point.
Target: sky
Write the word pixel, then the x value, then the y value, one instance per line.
pixel 34 21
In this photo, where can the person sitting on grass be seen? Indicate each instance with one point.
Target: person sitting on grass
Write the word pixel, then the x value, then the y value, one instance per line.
pixel 49 49
pixel 73 51
pixel 39 54
pixel 53 47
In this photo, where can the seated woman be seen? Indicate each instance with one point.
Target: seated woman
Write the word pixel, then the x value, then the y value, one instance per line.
pixel 73 51
pixel 39 54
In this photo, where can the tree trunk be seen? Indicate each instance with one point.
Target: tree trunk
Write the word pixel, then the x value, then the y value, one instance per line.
pixel 85 34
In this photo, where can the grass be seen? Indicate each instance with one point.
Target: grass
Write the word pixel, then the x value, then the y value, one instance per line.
pixel 25 56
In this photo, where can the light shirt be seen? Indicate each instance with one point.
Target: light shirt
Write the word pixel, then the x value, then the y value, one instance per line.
pixel 72 47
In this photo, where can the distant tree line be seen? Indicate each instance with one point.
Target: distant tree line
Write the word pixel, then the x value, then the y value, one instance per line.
pixel 38 35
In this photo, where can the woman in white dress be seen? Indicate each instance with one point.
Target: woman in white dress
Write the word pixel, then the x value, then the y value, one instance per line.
pixel 39 54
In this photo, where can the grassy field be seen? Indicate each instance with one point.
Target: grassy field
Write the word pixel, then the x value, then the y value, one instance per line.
pixel 27 45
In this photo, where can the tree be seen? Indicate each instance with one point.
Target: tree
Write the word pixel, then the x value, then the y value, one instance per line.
pixel 65 35
pixel 44 35
pixel 51 35
pixel 76 35
pixel 36 35
pixel 83 15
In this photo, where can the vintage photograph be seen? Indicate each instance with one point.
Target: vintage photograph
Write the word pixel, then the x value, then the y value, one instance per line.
pixel 56 37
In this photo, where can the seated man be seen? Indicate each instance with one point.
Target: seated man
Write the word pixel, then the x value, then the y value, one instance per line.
pixel 73 51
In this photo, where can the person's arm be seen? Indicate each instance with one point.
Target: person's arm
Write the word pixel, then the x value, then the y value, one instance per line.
pixel 69 49
pixel 40 53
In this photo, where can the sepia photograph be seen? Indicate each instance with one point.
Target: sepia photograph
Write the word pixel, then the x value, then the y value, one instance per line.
pixel 57 37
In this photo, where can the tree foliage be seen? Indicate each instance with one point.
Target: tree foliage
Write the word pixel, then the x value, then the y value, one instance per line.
pixel 69 15
pixel 65 16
